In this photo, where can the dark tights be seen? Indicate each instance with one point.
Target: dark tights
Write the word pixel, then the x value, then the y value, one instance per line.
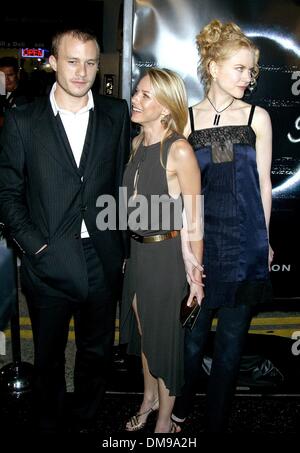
pixel 232 329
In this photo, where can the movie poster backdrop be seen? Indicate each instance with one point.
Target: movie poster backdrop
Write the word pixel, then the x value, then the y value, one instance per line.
pixel 164 34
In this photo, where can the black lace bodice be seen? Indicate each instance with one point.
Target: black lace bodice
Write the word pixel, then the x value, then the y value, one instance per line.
pixel 221 139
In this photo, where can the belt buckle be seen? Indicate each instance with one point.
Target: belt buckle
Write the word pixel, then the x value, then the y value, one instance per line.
pixel 136 237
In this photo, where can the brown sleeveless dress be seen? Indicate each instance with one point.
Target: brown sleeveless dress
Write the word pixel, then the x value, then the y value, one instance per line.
pixel 155 273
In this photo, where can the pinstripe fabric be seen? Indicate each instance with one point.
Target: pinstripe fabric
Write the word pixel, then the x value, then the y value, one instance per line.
pixel 44 196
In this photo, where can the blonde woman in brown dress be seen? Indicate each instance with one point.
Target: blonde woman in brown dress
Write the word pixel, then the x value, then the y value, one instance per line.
pixel 162 164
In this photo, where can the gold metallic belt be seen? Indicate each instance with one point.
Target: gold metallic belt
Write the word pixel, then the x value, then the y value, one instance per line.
pixel 155 237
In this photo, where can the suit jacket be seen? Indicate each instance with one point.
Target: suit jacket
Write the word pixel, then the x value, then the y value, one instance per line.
pixel 21 95
pixel 44 196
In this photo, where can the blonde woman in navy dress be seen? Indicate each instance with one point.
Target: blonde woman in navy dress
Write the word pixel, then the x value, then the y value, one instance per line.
pixel 232 141
pixel 162 164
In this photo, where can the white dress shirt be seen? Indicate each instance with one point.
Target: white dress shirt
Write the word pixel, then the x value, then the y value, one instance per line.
pixel 75 125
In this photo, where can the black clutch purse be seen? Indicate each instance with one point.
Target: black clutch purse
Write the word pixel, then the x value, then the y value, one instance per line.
pixel 189 314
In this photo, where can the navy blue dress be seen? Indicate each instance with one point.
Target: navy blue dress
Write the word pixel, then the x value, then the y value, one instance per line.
pixel 235 234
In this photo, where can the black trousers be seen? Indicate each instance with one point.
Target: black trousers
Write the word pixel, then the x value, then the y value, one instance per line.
pixel 94 321
pixel 232 329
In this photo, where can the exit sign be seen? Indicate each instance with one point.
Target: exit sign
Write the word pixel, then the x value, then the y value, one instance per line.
pixel 33 53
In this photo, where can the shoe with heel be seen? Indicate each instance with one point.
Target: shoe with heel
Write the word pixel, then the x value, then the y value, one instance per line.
pixel 177 424
pixel 135 423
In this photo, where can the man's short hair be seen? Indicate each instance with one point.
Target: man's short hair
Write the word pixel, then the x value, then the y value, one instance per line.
pixel 10 62
pixel 81 34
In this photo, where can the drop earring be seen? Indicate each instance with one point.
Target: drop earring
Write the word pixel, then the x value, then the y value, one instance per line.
pixel 164 120
pixel 252 85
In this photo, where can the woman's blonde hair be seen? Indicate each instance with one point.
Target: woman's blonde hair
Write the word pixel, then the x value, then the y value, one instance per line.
pixel 215 43
pixel 169 90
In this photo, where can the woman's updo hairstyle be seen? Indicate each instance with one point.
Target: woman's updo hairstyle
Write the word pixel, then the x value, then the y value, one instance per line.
pixel 216 41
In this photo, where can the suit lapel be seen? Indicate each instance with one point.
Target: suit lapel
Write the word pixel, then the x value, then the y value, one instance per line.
pixel 52 139
pixel 87 142
pixel 96 138
pixel 52 136
pixel 65 141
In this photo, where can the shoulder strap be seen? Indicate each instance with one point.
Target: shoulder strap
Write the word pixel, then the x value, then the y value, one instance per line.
pixel 251 115
pixel 192 119
pixel 168 142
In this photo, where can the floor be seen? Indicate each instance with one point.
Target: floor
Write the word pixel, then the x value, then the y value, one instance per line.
pixel 267 399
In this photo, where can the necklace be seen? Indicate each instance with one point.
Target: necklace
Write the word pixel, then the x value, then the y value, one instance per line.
pixel 217 115
pixel 137 173
pixel 136 180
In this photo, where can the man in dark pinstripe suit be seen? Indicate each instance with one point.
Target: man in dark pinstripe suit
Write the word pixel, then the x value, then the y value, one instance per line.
pixel 58 156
